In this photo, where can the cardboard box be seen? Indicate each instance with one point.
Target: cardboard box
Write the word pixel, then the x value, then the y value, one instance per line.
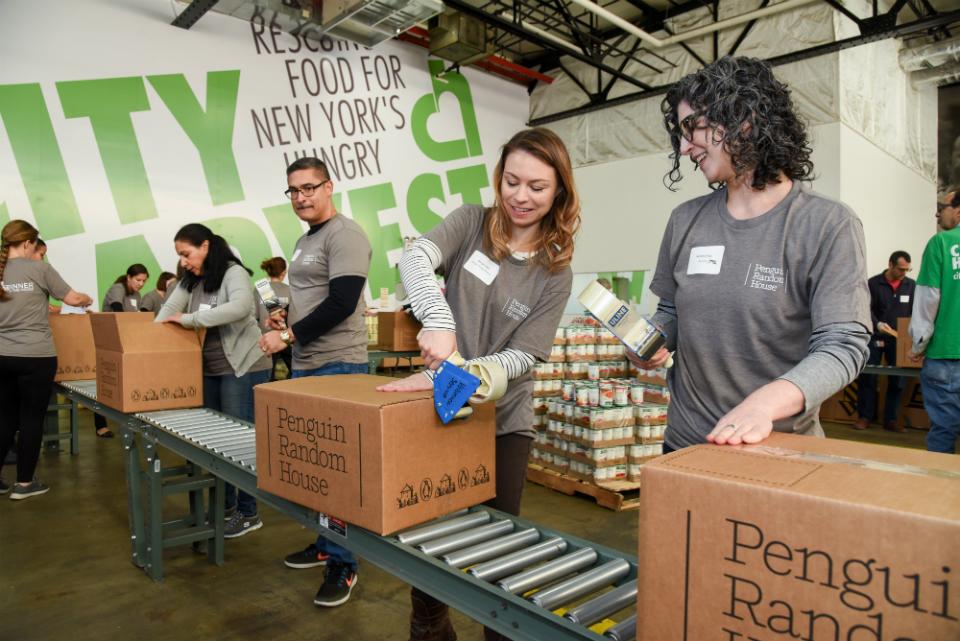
pixel 380 460
pixel 842 406
pixel 904 343
pixel 800 538
pixel 144 366
pixel 397 332
pixel 76 352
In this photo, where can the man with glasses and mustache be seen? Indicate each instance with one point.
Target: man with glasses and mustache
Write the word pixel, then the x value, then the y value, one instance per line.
pixel 935 326
pixel 891 298
pixel 325 326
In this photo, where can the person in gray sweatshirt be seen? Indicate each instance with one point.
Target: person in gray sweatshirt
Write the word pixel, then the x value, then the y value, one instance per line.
pixel 215 293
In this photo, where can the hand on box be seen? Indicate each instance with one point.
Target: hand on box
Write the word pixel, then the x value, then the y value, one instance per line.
pixel 436 345
pixel 658 360
pixel 271 343
pixel 914 357
pixel 175 318
pixel 414 383
pixel 746 423
pixel 885 328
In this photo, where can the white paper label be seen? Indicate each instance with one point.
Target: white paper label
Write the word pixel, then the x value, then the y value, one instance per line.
pixel 133 303
pixel 905 298
pixel 296 254
pixel 204 306
pixel 705 260
pixel 70 309
pixel 482 267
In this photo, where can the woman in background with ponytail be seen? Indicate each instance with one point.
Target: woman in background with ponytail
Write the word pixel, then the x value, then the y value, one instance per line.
pixel 28 358
pixel 215 292
pixel 124 294
pixel 276 269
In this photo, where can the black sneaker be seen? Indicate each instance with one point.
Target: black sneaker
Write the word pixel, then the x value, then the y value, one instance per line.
pixel 35 488
pixel 310 557
pixel 240 524
pixel 228 512
pixel 337 586
pixel 4 488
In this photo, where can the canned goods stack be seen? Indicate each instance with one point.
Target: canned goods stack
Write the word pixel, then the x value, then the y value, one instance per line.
pixel 606 418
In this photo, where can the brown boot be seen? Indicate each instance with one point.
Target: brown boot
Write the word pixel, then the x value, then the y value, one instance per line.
pixel 891 426
pixel 430 619
pixel 861 424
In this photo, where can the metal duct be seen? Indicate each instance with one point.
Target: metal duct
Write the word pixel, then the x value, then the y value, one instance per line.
pixel 931 55
pixel 942 75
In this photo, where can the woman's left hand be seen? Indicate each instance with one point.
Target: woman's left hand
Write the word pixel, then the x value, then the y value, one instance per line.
pixel 175 318
pixel 271 343
pixel 748 422
pixel 418 382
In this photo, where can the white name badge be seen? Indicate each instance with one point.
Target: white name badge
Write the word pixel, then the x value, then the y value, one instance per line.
pixel 705 260
pixel 133 303
pixel 204 306
pixel 905 298
pixel 482 267
pixel 296 255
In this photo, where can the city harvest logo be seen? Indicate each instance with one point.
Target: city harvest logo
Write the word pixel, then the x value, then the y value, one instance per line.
pixel 762 277
pixel 16 288
pixel 618 316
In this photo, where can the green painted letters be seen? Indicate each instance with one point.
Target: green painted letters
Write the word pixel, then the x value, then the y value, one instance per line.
pixel 365 204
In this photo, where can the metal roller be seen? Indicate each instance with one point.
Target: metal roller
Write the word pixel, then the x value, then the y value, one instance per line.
pixel 491 549
pixel 239 448
pixel 187 421
pixel 582 584
pixel 210 430
pixel 230 436
pixel 566 564
pixel 586 614
pixel 443 528
pixel 437 547
pixel 626 630
pixel 513 563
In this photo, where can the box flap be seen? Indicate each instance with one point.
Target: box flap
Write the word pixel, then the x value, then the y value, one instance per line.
pixel 356 388
pixel 130 332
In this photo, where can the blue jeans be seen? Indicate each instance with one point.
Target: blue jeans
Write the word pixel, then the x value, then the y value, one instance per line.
pixel 234 396
pixel 940 382
pixel 867 383
pixel 338 553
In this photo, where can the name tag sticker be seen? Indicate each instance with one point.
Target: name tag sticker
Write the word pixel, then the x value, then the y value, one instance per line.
pixel 204 306
pixel 482 267
pixel 705 260
pixel 133 303
pixel 905 298
pixel 296 255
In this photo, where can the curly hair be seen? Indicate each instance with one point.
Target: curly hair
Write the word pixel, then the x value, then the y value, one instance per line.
pixel 558 227
pixel 750 112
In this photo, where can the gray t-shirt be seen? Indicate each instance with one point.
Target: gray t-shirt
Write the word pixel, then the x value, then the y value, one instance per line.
pixel 215 361
pixel 152 302
pixel 749 294
pixel 118 294
pixel 520 308
pixel 338 248
pixel 24 326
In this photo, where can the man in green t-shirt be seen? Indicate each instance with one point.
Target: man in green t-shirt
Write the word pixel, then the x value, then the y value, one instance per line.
pixel 935 326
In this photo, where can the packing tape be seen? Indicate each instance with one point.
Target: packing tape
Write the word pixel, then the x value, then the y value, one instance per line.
pixel 816 457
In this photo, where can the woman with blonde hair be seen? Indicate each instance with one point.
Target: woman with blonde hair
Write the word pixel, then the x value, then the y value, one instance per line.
pixel 508 278
pixel 28 358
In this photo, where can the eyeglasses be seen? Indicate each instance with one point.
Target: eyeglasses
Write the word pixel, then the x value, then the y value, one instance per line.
pixel 690 124
pixel 942 206
pixel 306 190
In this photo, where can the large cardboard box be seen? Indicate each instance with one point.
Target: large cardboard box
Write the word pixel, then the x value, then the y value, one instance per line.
pixel 144 366
pixel 397 332
pixel 904 343
pixel 842 406
pixel 380 460
pixel 800 538
pixel 76 352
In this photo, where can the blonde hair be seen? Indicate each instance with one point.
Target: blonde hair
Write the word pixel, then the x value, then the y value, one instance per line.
pixel 558 227
pixel 14 234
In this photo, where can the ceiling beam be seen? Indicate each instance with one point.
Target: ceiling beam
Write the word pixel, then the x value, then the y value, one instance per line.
pixel 189 16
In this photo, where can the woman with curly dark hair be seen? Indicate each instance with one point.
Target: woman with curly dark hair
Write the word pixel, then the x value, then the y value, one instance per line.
pixel 762 283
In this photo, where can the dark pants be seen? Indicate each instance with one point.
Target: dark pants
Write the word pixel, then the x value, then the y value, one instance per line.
pixel 867 383
pixel 25 387
pixel 512 452
pixel 233 396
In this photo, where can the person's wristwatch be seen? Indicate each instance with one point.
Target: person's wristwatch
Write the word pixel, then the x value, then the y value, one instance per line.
pixel 285 337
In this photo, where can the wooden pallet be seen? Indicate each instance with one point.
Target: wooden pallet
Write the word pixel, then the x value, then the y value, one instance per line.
pixel 615 495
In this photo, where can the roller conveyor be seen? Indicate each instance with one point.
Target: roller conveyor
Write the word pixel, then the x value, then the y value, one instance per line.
pixel 506 573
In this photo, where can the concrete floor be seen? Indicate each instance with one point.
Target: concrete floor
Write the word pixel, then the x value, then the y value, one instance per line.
pixel 65 571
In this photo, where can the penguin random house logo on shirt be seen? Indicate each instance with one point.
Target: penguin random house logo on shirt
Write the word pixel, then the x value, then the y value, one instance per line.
pixel 763 277
pixel 516 310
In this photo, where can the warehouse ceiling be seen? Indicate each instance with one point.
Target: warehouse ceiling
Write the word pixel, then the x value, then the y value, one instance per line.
pixel 632 43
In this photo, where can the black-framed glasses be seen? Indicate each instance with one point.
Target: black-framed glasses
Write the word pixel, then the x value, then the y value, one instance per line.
pixel 307 190
pixel 690 124
pixel 942 206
